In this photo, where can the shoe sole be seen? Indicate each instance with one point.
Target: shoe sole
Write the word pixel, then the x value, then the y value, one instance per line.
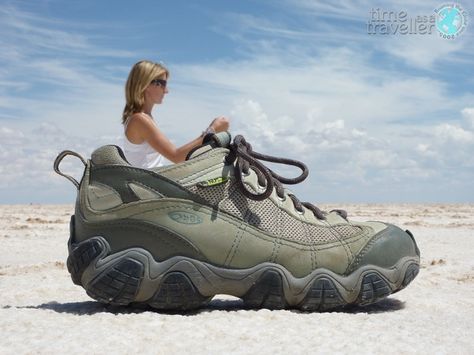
pixel 133 276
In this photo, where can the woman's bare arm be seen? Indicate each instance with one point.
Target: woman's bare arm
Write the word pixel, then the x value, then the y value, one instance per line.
pixel 145 128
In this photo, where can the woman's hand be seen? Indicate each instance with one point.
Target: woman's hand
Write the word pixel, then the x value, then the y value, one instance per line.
pixel 220 124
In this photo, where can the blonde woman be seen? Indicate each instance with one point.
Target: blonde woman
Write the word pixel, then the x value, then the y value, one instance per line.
pixel 145 144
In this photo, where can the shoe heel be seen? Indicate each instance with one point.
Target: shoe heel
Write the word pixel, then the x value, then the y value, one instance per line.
pixel 118 284
pixel 81 256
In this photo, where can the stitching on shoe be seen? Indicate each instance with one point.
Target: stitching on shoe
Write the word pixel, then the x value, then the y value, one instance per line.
pixel 238 243
pixel 354 263
pixel 276 250
pixel 226 263
pixel 344 245
pixel 271 258
pixel 235 243
pixel 313 257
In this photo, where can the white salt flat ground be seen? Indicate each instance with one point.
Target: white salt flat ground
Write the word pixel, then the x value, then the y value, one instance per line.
pixel 42 311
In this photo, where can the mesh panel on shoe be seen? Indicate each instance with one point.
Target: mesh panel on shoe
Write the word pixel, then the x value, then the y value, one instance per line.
pixel 331 234
pixel 268 216
pixel 225 196
pixel 237 204
pixel 212 194
pixel 264 214
pixel 346 231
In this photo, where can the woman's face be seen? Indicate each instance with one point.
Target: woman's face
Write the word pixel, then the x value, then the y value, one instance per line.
pixel 156 91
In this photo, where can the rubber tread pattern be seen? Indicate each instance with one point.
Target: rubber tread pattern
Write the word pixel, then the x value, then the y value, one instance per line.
pixel 267 292
pixel 410 274
pixel 322 296
pixel 81 257
pixel 373 289
pixel 177 292
pixel 118 284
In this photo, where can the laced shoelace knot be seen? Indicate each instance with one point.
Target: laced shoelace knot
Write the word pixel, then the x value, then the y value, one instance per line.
pixel 242 153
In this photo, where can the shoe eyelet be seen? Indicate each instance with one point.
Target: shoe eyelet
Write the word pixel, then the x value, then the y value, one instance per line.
pixel 300 212
pixel 245 174
pixel 281 199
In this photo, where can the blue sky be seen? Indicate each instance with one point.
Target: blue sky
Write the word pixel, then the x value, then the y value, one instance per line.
pixel 377 118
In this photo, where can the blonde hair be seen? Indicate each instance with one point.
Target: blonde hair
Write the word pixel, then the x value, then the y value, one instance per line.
pixel 140 77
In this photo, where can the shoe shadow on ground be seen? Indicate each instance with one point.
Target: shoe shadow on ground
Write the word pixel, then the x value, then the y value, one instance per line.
pixel 216 305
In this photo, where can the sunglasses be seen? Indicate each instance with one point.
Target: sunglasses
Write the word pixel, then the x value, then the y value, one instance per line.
pixel 159 82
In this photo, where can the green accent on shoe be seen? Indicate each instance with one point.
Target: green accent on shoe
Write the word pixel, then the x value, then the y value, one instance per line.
pixel 215 181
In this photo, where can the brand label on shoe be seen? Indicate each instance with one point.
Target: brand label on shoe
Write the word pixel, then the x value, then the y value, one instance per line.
pixel 185 217
pixel 216 181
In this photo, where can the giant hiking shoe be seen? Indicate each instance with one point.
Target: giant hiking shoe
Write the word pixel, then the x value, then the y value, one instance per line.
pixel 223 223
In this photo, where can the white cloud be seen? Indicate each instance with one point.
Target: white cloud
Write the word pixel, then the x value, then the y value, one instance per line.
pixel 9 136
pixel 339 85
pixel 468 114
pixel 295 136
pixel 449 133
pixel 425 150
pixel 423 51
pixel 331 127
pixel 27 159
pixel 250 117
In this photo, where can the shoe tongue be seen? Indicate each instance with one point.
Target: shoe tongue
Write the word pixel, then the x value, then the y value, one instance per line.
pixel 211 141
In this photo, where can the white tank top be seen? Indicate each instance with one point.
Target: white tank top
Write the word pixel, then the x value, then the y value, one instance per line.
pixel 140 155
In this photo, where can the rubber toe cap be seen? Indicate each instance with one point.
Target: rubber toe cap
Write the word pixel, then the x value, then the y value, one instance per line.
pixel 386 248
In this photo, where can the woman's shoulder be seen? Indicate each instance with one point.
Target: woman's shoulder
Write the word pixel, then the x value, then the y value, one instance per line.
pixel 140 116
pixel 141 125
pixel 140 119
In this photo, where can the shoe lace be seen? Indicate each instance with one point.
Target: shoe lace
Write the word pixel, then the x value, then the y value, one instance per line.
pixel 246 159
